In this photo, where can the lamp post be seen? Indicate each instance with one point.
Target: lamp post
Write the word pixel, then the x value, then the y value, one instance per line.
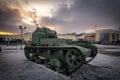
pixel 95 32
pixel 119 33
pixel 95 28
pixel 21 28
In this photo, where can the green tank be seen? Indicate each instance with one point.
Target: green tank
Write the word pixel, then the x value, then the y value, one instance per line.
pixel 57 54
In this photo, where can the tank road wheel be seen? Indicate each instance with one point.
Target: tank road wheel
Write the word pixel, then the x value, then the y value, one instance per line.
pixel 62 70
pixel 47 63
pixel 74 58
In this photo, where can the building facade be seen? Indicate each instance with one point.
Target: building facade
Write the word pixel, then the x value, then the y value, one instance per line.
pixel 80 36
pixel 26 37
pixel 106 36
pixel 90 37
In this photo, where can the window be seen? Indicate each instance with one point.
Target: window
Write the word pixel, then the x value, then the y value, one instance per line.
pixel 113 36
pixel 117 36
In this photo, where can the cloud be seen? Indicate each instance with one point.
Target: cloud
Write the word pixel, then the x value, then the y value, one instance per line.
pixel 16 12
pixel 84 14
pixel 67 15
pixel 9 18
pixel 103 9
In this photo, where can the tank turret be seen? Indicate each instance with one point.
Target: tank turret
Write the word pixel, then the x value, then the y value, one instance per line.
pixel 42 33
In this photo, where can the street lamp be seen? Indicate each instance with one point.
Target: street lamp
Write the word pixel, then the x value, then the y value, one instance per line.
pixel 95 28
pixel 119 33
pixel 21 28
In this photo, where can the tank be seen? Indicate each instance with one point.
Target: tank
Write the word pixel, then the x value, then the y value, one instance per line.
pixel 58 54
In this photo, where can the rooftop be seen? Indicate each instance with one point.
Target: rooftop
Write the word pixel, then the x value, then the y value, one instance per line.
pixel 107 30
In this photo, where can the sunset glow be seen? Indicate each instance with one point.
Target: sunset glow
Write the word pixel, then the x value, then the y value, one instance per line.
pixel 6 33
pixel 51 27
pixel 43 11
pixel 27 20
pixel 29 15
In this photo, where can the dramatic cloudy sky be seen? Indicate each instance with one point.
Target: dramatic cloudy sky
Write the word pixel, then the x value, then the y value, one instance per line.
pixel 64 16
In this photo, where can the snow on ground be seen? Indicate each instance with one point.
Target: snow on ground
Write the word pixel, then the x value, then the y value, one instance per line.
pixel 108 49
pixel 12 47
pixel 14 66
pixel 112 62
pixel 103 67
pixel 112 50
pixel 107 46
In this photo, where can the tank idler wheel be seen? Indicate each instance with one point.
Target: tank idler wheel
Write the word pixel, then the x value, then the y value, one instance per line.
pixel 62 70
pixel 30 56
pixel 74 58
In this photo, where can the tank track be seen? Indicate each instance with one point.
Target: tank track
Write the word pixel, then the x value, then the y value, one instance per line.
pixel 64 60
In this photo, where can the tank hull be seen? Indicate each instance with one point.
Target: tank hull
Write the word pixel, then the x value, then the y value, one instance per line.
pixel 63 56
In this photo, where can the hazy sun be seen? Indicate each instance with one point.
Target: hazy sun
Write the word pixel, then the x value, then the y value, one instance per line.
pixel 45 12
pixel 27 20
pixel 35 14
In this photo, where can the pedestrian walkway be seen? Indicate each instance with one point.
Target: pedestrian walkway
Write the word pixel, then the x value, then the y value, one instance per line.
pixel 108 49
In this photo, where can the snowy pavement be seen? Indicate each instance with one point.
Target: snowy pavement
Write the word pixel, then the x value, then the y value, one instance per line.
pixel 103 67
pixel 108 49
pixel 107 46
pixel 14 66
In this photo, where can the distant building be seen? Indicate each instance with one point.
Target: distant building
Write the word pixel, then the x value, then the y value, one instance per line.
pixel 80 36
pixel 26 37
pixel 71 36
pixel 77 37
pixel 106 36
pixel 90 37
